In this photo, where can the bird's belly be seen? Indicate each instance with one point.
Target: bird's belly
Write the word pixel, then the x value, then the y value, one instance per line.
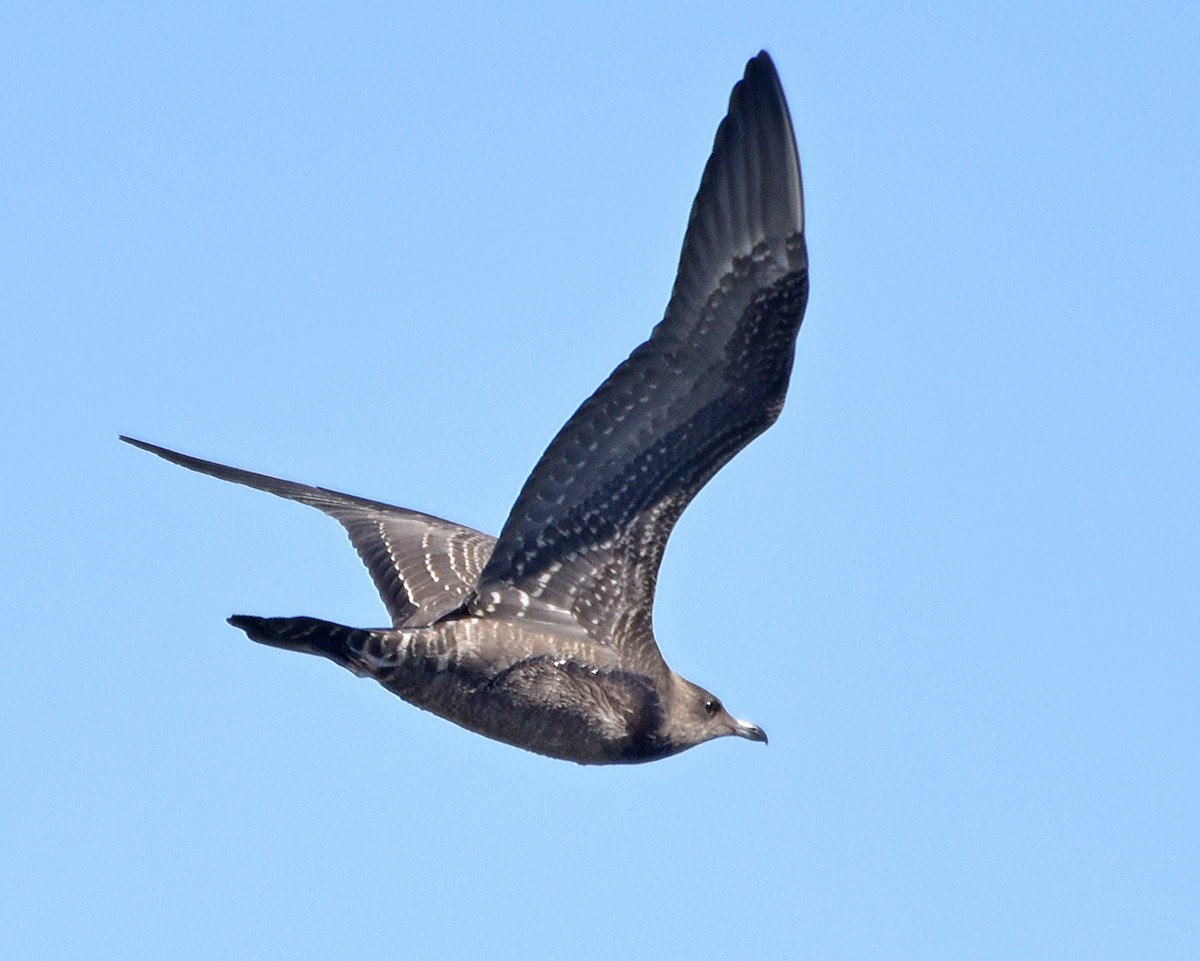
pixel 550 706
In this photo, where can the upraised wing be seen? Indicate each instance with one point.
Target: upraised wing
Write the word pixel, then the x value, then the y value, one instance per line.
pixel 585 539
pixel 422 566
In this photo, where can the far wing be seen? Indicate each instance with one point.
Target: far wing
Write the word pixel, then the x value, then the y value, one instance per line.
pixel 586 536
pixel 423 566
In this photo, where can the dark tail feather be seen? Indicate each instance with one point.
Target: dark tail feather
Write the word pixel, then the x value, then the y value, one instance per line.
pixel 342 645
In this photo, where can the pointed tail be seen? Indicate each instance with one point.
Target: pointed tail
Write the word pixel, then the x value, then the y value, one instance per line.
pixel 355 649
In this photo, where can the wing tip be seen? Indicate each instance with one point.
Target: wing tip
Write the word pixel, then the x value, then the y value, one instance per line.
pixel 134 442
pixel 182 460
pixel 760 97
pixel 751 189
pixel 761 63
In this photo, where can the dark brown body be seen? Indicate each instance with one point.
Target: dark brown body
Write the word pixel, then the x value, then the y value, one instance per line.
pixel 572 700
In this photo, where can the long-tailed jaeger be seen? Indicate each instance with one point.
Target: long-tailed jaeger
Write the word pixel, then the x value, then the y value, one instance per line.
pixel 543 637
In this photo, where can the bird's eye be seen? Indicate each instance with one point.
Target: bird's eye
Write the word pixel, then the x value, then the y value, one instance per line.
pixel 712 705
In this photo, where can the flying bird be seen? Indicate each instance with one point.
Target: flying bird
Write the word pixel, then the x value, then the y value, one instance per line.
pixel 543 637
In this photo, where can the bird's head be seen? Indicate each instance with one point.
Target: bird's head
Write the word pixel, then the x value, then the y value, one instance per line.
pixel 698 716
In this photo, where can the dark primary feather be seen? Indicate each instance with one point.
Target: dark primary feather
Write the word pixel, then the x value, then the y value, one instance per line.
pixel 585 538
pixel 422 566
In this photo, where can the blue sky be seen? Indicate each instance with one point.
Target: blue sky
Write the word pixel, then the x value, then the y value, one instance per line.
pixel 389 250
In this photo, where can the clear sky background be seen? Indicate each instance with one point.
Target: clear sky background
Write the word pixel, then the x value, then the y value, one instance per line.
pixel 389 250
